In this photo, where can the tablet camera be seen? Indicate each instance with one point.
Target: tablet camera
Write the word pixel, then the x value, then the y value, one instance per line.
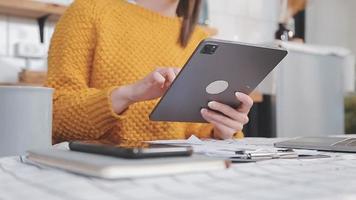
pixel 209 49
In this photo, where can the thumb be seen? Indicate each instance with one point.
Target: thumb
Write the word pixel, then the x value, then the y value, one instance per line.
pixel 158 79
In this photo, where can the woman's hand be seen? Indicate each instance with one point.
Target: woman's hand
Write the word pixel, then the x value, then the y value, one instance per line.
pixel 152 86
pixel 226 126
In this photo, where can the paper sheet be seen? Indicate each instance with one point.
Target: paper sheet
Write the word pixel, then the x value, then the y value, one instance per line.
pixel 192 140
pixel 228 148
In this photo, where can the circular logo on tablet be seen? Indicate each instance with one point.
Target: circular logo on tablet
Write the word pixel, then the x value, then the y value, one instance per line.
pixel 217 87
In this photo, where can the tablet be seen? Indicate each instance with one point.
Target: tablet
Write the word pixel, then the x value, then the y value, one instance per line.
pixel 214 72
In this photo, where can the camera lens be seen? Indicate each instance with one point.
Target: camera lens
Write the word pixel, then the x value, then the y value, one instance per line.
pixel 209 49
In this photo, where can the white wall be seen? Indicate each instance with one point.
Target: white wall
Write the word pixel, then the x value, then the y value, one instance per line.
pixel 331 22
pixel 3 35
pixel 252 21
pixel 19 30
pixel 14 30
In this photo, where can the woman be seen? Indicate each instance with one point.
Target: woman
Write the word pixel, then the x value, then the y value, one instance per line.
pixel 107 62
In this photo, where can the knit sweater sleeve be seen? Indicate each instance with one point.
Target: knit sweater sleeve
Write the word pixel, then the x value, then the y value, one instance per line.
pixel 79 112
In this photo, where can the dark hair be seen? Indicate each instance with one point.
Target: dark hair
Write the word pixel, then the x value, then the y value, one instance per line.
pixel 189 10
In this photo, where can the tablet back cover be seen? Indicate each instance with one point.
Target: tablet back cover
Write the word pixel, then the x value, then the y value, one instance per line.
pixel 232 67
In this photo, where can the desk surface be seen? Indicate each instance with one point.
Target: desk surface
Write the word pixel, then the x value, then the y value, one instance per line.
pixel 327 178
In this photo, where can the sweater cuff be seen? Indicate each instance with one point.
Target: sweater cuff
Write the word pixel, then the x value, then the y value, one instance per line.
pixel 113 113
pixel 239 135
pixel 101 111
pixel 199 130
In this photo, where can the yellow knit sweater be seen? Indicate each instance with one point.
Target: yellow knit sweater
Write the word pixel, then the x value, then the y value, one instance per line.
pixel 99 45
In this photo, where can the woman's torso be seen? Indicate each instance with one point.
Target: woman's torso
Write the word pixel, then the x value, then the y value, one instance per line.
pixel 130 43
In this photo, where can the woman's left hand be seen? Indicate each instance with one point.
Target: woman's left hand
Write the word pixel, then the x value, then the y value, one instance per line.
pixel 226 126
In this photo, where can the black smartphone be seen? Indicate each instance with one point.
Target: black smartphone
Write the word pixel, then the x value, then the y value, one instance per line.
pixel 143 150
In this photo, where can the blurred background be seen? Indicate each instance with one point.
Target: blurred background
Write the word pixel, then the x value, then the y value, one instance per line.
pixel 310 93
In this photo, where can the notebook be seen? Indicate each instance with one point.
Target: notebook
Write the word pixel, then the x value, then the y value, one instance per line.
pixel 118 168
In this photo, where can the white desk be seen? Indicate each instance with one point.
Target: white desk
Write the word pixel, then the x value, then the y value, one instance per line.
pixel 327 178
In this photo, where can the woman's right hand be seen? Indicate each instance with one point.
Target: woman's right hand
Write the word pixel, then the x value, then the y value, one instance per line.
pixel 151 87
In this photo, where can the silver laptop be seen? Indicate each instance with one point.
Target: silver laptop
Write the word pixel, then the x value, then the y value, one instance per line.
pixel 341 144
pixel 215 71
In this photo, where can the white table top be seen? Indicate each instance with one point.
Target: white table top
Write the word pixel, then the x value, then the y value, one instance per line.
pixel 326 178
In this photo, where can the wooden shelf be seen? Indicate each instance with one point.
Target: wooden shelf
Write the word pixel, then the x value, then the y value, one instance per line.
pixel 31 9
pixel 36 9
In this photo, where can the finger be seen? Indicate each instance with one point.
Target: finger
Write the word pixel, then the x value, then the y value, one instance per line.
pixel 235 125
pixel 246 102
pixel 229 111
pixel 158 79
pixel 224 131
pixel 168 73
pixel 221 131
pixel 171 74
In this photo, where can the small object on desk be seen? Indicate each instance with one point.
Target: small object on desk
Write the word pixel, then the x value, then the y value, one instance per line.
pixel 257 155
pixel 280 154
pixel 313 156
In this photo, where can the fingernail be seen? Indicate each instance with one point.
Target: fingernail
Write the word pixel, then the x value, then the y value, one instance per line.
pixel 237 94
pixel 203 110
pixel 211 104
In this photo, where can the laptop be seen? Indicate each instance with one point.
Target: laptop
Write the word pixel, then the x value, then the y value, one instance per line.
pixel 335 144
